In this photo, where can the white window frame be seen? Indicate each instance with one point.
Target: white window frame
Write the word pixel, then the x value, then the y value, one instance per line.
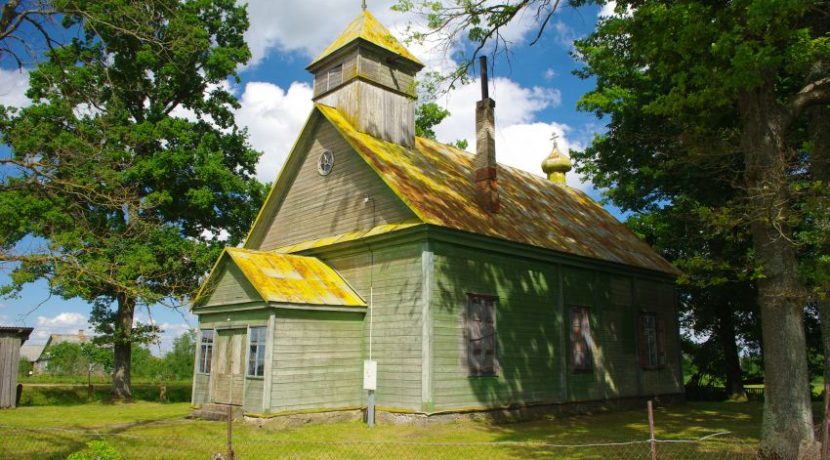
pixel 260 353
pixel 202 363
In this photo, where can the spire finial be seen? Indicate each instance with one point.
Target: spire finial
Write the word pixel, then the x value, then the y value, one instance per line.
pixel 554 137
pixel 363 5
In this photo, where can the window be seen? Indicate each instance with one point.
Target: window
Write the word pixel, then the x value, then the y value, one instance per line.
pixel 205 351
pixel 581 340
pixel 652 348
pixel 256 352
pixel 481 335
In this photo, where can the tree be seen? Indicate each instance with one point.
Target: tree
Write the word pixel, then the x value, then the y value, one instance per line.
pixel 66 358
pixel 179 361
pixel 717 295
pixel 428 113
pixel 128 165
pixel 731 82
pixel 699 61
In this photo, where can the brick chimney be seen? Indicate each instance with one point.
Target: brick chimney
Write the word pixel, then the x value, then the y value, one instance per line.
pixel 484 164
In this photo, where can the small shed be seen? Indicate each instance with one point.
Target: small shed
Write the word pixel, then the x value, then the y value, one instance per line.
pixel 11 339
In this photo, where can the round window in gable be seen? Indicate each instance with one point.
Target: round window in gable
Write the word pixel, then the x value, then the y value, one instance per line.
pixel 325 163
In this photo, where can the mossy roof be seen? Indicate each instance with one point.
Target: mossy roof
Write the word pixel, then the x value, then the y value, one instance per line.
pixel 288 279
pixel 367 27
pixel 435 181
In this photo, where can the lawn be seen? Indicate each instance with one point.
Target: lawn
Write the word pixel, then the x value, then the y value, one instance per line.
pixel 153 430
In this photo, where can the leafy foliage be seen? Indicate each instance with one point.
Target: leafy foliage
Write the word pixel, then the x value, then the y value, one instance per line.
pixel 429 114
pixel 128 165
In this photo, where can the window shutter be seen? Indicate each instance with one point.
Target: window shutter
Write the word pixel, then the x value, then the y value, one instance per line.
pixel 661 342
pixel 642 348
pixel 488 329
pixel 474 335
pixel 480 335
pixel 585 327
pixel 576 338
pixel 335 76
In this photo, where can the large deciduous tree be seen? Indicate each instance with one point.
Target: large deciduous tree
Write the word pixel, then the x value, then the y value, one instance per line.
pixel 127 170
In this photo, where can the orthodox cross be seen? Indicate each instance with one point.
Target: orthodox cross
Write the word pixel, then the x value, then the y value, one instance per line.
pixel 554 137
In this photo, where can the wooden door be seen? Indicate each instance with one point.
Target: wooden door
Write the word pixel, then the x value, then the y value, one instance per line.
pixel 228 366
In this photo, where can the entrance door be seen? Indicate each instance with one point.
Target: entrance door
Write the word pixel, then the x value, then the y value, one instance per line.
pixel 229 366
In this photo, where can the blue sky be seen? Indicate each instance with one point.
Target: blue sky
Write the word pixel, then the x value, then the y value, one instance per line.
pixel 534 89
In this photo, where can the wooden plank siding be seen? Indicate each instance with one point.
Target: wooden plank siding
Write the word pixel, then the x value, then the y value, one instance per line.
pixel 391 116
pixel 396 318
pixel 317 360
pixel 533 342
pixel 527 328
pixel 9 361
pixel 201 389
pixel 375 67
pixel 660 298
pixel 231 287
pixel 319 206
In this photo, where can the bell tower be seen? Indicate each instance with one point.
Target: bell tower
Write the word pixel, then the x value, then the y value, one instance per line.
pixel 370 78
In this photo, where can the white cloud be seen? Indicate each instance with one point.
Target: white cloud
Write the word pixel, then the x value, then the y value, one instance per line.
pixel 306 26
pixel 549 74
pixel 608 10
pixel 522 141
pixel 15 84
pixel 565 34
pixel 62 323
pixel 274 118
pixel 514 105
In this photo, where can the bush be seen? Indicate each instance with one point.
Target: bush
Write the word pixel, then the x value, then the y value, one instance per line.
pixel 64 395
pixel 96 450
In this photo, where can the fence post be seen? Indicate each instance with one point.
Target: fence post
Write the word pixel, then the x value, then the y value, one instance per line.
pixel 652 439
pixel 825 424
pixel 230 433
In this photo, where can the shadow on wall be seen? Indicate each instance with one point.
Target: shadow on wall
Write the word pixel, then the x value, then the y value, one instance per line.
pixel 533 338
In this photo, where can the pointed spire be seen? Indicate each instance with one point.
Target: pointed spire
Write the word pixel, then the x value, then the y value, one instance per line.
pixel 363 5
pixel 557 164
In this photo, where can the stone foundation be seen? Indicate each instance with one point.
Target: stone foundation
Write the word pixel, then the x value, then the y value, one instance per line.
pixel 499 416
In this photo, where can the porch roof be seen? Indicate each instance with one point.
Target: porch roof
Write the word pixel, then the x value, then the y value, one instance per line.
pixel 289 279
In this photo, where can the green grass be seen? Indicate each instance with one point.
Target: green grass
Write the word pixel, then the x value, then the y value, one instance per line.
pixel 153 430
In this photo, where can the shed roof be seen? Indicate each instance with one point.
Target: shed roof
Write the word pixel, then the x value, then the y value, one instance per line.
pixel 289 279
pixel 367 27
pixel 16 331
pixel 32 353
pixel 434 180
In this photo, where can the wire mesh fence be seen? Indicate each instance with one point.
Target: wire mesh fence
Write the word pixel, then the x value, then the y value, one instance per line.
pixel 209 441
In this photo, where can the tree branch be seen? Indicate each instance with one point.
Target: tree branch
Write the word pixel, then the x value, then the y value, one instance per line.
pixel 814 93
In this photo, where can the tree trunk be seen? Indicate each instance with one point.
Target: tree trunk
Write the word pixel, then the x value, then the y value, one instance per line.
pixel 122 349
pixel 734 377
pixel 820 170
pixel 787 430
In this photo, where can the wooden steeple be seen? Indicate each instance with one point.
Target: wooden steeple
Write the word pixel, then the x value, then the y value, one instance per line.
pixel 370 78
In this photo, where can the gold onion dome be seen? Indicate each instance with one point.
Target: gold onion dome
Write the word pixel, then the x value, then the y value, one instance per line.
pixel 556 165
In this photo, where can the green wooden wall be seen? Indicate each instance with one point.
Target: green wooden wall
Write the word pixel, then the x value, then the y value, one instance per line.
pixel 533 342
pixel 317 360
pixel 321 206
pixel 230 287
pixel 527 324
pixel 396 317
